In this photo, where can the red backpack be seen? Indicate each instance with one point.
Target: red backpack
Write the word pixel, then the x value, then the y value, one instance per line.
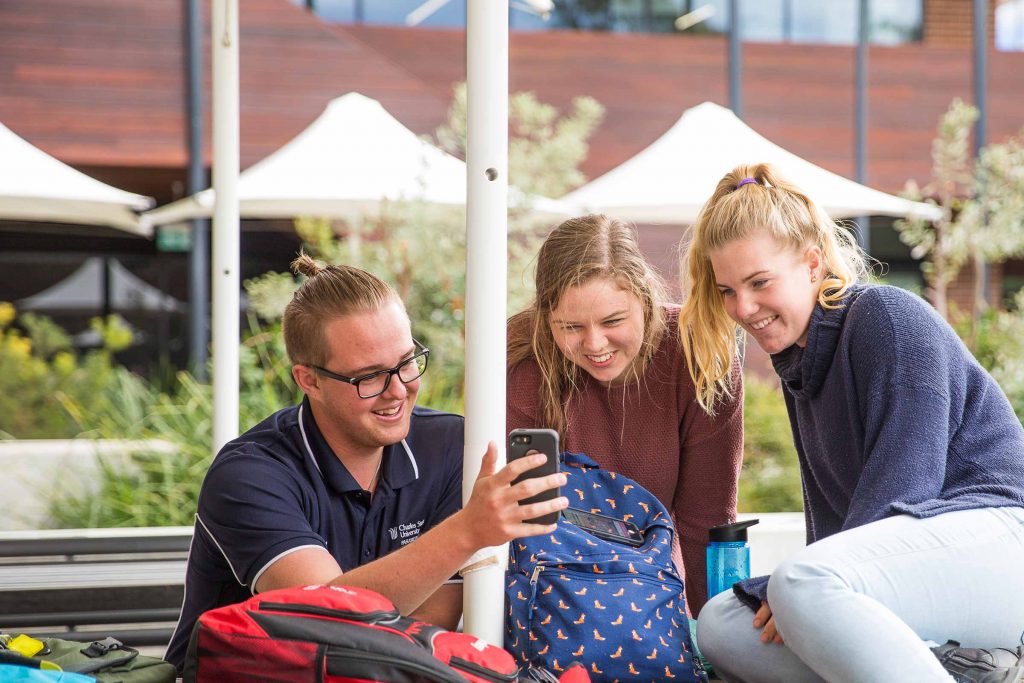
pixel 335 634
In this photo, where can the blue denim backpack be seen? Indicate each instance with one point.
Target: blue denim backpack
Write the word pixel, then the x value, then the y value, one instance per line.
pixel 618 609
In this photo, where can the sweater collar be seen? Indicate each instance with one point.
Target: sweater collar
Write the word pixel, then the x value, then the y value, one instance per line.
pixel 803 370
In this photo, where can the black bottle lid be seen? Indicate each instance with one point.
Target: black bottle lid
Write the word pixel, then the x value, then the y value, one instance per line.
pixel 731 533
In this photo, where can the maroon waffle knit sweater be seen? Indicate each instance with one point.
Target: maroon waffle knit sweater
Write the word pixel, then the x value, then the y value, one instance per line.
pixel 655 433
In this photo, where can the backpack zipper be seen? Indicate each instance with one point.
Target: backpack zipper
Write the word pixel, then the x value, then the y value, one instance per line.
pixel 481 671
pixel 335 652
pixel 533 577
pixel 643 571
pixel 378 617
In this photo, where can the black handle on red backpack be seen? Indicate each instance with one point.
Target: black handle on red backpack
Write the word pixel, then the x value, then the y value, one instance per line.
pixel 574 673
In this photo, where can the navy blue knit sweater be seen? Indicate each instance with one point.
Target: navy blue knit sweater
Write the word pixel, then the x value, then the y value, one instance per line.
pixel 891 415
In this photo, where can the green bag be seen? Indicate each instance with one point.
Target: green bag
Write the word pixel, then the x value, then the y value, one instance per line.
pixel 107 660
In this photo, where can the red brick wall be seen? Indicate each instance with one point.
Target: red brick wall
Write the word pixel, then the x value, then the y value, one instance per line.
pixel 961 291
pixel 949 23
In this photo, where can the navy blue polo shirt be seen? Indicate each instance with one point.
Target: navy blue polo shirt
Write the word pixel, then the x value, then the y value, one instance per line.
pixel 279 487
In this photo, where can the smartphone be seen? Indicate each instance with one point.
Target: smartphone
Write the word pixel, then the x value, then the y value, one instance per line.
pixel 603 526
pixel 523 442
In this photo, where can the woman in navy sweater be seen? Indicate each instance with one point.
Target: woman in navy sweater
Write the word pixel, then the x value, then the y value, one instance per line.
pixel 912 459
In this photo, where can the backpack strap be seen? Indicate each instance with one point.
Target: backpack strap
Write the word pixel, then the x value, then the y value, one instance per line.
pixel 579 460
pixel 98 649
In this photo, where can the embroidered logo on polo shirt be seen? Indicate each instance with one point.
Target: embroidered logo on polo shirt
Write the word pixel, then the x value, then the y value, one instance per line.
pixel 408 532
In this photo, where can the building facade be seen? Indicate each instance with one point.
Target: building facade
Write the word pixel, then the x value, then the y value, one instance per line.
pixel 101 86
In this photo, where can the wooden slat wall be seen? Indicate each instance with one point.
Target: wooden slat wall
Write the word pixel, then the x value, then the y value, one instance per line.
pixel 799 96
pixel 99 84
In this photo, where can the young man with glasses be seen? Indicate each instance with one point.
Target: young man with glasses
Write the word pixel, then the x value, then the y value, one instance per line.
pixel 336 489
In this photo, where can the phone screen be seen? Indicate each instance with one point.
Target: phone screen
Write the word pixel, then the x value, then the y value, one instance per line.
pixel 609 526
pixel 604 526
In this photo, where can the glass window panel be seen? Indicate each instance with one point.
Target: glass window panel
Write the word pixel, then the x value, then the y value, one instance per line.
pixel 895 21
pixel 760 21
pixel 1010 25
pixel 813 21
pixel 629 15
pixel 802 21
pixel 763 20
pixel 394 12
pixel 718 22
pixel 617 15
pixel 520 18
pixel 583 14
pixel 333 10
pixel 819 22
pixel 664 13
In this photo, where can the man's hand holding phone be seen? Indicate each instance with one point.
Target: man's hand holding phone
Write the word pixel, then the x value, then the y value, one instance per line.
pixel 494 513
pixel 529 442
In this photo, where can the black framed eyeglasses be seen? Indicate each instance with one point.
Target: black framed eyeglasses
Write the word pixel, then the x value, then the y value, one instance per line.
pixel 376 383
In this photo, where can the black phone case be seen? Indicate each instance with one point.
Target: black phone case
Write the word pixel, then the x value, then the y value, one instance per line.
pixel 543 441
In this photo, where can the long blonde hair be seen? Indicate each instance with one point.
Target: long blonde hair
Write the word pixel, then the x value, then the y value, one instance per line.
pixel 709 337
pixel 577 251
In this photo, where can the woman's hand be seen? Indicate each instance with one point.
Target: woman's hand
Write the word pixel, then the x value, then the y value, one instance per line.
pixel 764 619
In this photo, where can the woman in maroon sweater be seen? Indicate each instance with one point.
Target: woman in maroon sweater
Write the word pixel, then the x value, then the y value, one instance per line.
pixel 597 357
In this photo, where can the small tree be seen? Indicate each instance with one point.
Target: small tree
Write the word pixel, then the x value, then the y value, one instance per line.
pixel 545 148
pixel 40 371
pixel 417 247
pixel 983 218
pixel 995 340
pixel 982 204
pixel 421 249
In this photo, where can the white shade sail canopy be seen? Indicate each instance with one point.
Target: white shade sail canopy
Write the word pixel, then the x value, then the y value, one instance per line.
pixel 669 181
pixel 352 158
pixel 36 187
pixel 83 290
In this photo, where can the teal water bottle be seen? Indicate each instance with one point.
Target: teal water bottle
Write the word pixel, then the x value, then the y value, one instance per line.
pixel 728 556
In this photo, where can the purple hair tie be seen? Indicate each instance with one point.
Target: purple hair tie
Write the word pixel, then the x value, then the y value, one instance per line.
pixel 746 181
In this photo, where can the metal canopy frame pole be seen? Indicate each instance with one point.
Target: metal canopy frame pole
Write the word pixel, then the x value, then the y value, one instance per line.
pixel 981 126
pixel 486 282
pixel 226 238
pixel 735 66
pixel 199 254
pixel 861 116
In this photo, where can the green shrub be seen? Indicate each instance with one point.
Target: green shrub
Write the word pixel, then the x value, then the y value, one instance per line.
pixel 770 478
pixel 421 250
pixel 160 488
pixel 39 372
pixel 995 340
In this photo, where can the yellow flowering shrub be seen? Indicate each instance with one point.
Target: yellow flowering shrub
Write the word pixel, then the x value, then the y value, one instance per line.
pixel 40 374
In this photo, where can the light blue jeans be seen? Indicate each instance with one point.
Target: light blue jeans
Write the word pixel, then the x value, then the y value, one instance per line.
pixel 859 606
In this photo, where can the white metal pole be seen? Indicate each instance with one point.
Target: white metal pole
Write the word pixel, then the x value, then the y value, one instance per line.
pixel 486 297
pixel 225 270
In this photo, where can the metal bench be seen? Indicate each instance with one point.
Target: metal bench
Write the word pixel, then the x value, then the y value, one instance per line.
pixel 89 583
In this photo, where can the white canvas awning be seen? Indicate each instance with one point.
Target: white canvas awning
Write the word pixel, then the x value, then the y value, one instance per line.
pixel 669 181
pixel 36 187
pixel 89 289
pixel 347 162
